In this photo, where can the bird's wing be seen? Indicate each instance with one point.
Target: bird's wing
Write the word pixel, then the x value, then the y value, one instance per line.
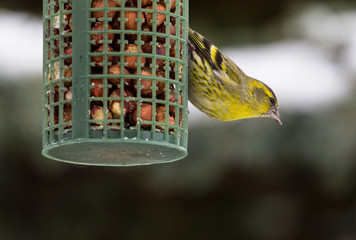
pixel 208 51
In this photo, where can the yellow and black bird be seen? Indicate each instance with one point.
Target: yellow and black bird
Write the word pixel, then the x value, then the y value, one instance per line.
pixel 219 88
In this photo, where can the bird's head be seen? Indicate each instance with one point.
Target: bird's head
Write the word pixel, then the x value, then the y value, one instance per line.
pixel 264 100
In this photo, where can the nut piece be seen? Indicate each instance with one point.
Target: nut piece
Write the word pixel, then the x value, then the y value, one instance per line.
pixel 172 31
pixel 145 37
pixel 132 23
pixel 144 3
pixel 115 105
pixel 98 60
pixel 161 117
pixel 172 98
pixel 173 4
pixel 116 69
pixel 118 2
pixel 67 112
pixel 68 95
pixel 67 72
pixel 115 24
pixel 146 115
pixel 132 60
pixel 98 37
pixel 160 84
pixel 68 52
pixel 160 50
pixel 146 48
pixel 97 90
pixel 56 74
pixel 97 113
pixel 100 4
pixel 172 51
pixel 146 84
pixel 160 16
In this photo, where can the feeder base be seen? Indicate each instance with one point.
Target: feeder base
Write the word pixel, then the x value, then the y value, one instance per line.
pixel 114 152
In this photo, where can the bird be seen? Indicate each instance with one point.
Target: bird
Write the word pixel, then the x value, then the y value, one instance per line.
pixel 220 89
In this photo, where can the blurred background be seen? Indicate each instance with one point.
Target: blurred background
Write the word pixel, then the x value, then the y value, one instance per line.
pixel 249 179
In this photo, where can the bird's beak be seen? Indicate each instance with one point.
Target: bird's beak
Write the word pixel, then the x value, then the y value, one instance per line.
pixel 275 115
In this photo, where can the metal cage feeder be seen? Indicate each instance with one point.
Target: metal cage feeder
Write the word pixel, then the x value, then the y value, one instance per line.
pixel 115 81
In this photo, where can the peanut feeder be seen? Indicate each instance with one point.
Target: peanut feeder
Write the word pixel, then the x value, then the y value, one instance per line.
pixel 115 81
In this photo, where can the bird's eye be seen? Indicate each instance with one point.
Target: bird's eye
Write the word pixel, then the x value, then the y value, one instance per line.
pixel 272 102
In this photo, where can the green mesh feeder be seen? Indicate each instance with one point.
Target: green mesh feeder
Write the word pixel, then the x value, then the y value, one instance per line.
pixel 115 81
